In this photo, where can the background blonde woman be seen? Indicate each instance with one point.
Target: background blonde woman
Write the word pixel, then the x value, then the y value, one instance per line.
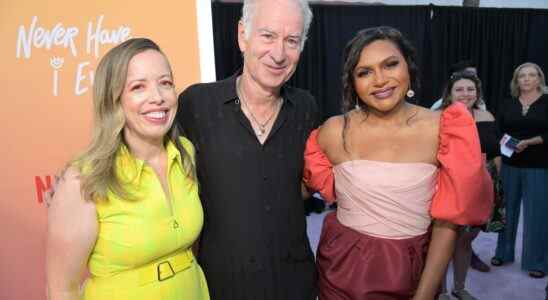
pixel 525 173
pixel 128 208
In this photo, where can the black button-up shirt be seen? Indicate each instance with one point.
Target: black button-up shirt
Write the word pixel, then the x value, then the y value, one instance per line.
pixel 251 192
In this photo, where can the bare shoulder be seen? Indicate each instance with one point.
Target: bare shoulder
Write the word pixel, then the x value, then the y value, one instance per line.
pixel 427 113
pixel 426 117
pixel 483 116
pixel 71 175
pixel 330 131
pixel 69 184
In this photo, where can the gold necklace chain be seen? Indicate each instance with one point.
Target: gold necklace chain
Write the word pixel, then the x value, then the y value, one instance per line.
pixel 262 126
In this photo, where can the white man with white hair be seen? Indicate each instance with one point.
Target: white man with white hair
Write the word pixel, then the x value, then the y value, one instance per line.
pixel 249 131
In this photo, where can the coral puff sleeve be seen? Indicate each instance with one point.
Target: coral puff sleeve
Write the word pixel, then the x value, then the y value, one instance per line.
pixel 318 170
pixel 465 193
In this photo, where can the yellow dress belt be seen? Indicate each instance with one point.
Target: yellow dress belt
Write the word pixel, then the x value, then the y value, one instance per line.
pixel 159 270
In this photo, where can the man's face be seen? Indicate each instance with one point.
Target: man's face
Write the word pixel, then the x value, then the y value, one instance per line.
pixel 271 51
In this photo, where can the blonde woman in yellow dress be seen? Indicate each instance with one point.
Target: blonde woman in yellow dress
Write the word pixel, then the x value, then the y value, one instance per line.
pixel 128 210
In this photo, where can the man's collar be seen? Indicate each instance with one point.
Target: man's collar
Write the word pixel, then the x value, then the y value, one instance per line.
pixel 228 89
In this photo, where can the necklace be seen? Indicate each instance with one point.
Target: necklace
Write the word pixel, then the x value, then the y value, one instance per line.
pixel 524 109
pixel 525 105
pixel 262 126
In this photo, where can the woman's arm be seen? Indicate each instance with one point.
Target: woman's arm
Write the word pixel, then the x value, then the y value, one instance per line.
pixel 440 251
pixel 71 235
pixel 536 140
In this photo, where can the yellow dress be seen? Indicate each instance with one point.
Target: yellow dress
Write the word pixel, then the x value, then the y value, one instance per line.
pixel 143 247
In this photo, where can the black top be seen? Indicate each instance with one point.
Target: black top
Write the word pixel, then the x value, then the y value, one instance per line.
pixel 534 123
pixel 254 243
pixel 489 141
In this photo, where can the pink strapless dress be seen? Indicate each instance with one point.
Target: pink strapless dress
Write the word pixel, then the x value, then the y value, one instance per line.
pixel 374 247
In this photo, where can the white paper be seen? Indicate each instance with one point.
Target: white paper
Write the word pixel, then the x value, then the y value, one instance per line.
pixel 505 150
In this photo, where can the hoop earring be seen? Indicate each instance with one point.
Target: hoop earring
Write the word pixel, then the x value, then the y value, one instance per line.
pixel 410 93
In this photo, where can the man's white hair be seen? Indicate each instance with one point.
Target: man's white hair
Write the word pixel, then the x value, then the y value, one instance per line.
pixel 248 12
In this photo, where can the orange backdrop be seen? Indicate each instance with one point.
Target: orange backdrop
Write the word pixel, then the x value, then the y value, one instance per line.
pixel 48 55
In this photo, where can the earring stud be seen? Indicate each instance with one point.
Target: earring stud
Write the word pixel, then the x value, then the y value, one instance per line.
pixel 410 93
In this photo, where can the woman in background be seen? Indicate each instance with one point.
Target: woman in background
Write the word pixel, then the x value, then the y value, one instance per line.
pixel 525 174
pixel 465 87
pixel 393 232
pixel 128 208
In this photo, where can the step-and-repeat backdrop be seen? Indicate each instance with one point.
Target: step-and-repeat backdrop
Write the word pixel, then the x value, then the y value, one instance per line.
pixel 48 55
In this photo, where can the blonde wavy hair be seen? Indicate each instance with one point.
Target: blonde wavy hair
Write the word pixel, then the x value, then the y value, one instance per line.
pixel 97 165
pixel 514 86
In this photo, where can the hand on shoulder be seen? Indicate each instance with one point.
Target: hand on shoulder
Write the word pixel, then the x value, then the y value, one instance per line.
pixel 68 203
pixel 67 186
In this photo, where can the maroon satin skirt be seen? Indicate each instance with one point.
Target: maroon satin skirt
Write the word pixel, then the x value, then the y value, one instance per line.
pixel 355 266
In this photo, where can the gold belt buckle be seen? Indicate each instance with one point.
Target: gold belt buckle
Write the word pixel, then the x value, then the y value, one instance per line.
pixel 159 272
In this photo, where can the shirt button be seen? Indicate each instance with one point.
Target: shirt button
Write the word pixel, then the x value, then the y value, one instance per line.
pixel 267 207
pixel 265 178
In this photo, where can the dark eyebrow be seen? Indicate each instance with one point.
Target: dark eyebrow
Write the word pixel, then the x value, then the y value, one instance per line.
pixel 359 67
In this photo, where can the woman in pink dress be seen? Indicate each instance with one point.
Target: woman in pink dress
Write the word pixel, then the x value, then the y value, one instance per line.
pixel 404 178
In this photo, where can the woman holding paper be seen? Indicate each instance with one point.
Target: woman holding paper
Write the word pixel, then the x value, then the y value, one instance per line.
pixel 525 172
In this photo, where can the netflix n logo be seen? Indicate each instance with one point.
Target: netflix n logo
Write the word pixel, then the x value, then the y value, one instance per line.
pixel 42 185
